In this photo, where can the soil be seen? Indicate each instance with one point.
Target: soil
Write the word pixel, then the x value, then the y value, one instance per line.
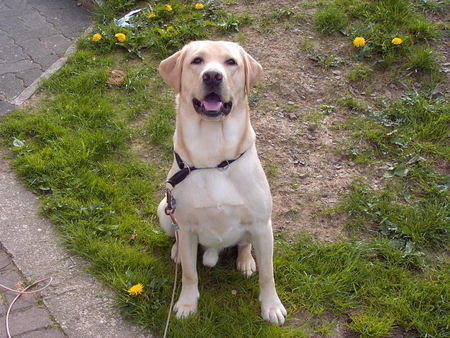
pixel 302 146
pixel 299 143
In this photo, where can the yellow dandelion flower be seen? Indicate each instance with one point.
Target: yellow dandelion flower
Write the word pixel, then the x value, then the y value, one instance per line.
pixel 170 29
pixel 96 37
pixel 168 7
pixel 397 41
pixel 136 289
pixel 151 15
pixel 198 5
pixel 359 41
pixel 120 37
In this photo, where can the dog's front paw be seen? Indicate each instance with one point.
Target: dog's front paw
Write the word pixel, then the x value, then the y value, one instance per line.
pixel 273 311
pixel 246 264
pixel 184 309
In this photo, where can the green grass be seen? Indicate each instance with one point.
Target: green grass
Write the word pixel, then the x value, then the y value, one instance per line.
pixel 159 29
pixel 330 20
pixel 373 282
pixel 359 74
pixel 74 150
pixel 422 60
pixel 379 22
pixel 412 208
pixel 267 21
pixel 403 130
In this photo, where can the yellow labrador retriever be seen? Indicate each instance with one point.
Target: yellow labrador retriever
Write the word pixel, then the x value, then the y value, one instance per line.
pixel 221 192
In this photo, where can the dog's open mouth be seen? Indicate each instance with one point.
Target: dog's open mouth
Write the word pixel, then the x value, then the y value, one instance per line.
pixel 212 106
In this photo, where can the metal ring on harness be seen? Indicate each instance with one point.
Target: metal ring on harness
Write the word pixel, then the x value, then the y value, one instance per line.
pixel 225 167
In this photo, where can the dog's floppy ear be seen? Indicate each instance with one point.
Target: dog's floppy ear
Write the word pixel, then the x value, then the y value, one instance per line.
pixel 171 69
pixel 253 70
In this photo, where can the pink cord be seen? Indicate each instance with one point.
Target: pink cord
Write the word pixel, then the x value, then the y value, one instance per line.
pixel 20 293
pixel 177 241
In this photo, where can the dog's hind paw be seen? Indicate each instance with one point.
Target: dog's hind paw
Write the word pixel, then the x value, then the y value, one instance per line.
pixel 246 264
pixel 210 257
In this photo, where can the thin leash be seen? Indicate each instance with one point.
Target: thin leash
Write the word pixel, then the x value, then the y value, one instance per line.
pixel 174 180
pixel 170 209
pixel 20 293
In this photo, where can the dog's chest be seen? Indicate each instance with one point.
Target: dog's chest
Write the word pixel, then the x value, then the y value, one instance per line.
pixel 218 208
pixel 220 227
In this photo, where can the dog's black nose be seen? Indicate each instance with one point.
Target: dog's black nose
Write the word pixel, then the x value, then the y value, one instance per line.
pixel 212 78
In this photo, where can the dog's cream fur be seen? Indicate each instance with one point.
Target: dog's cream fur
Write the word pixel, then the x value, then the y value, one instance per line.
pixel 219 208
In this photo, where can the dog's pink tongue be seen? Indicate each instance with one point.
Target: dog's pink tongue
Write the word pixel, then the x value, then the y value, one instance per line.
pixel 212 105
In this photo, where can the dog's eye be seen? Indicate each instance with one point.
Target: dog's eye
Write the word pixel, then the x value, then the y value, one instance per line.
pixel 231 62
pixel 197 61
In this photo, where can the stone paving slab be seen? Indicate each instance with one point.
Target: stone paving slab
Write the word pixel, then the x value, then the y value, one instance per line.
pixel 29 320
pixel 47 333
pixel 34 34
pixel 28 316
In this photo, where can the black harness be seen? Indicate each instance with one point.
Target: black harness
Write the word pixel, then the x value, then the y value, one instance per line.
pixel 180 175
pixel 185 170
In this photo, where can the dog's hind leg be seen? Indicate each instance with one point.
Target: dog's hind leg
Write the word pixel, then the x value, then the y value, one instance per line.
pixel 166 224
pixel 165 220
pixel 245 262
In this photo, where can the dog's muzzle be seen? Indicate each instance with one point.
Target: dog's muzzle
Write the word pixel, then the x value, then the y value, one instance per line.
pixel 212 107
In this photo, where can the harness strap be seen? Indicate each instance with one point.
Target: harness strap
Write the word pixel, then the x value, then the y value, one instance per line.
pixel 185 170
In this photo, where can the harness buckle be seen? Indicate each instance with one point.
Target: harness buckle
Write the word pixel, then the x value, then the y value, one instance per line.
pixel 170 209
pixel 171 203
pixel 225 166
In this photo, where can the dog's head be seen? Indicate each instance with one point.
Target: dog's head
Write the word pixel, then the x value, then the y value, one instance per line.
pixel 213 76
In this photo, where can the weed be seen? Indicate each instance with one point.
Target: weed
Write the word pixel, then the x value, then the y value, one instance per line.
pixel 240 37
pixel 431 6
pixel 328 61
pixel 359 73
pixel 271 170
pixel 405 129
pixel 399 135
pixel 421 222
pixel 423 60
pixel 422 29
pixel 379 22
pixel 350 103
pixel 327 110
pixel 306 45
pixel 330 20
pixel 111 8
pixel 162 30
pixel 314 117
pixel 371 324
pixel 267 20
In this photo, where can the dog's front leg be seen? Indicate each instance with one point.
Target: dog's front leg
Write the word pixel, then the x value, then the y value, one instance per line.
pixel 271 308
pixel 187 302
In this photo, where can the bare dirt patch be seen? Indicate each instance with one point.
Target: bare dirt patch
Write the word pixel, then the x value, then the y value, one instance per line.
pixel 298 143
